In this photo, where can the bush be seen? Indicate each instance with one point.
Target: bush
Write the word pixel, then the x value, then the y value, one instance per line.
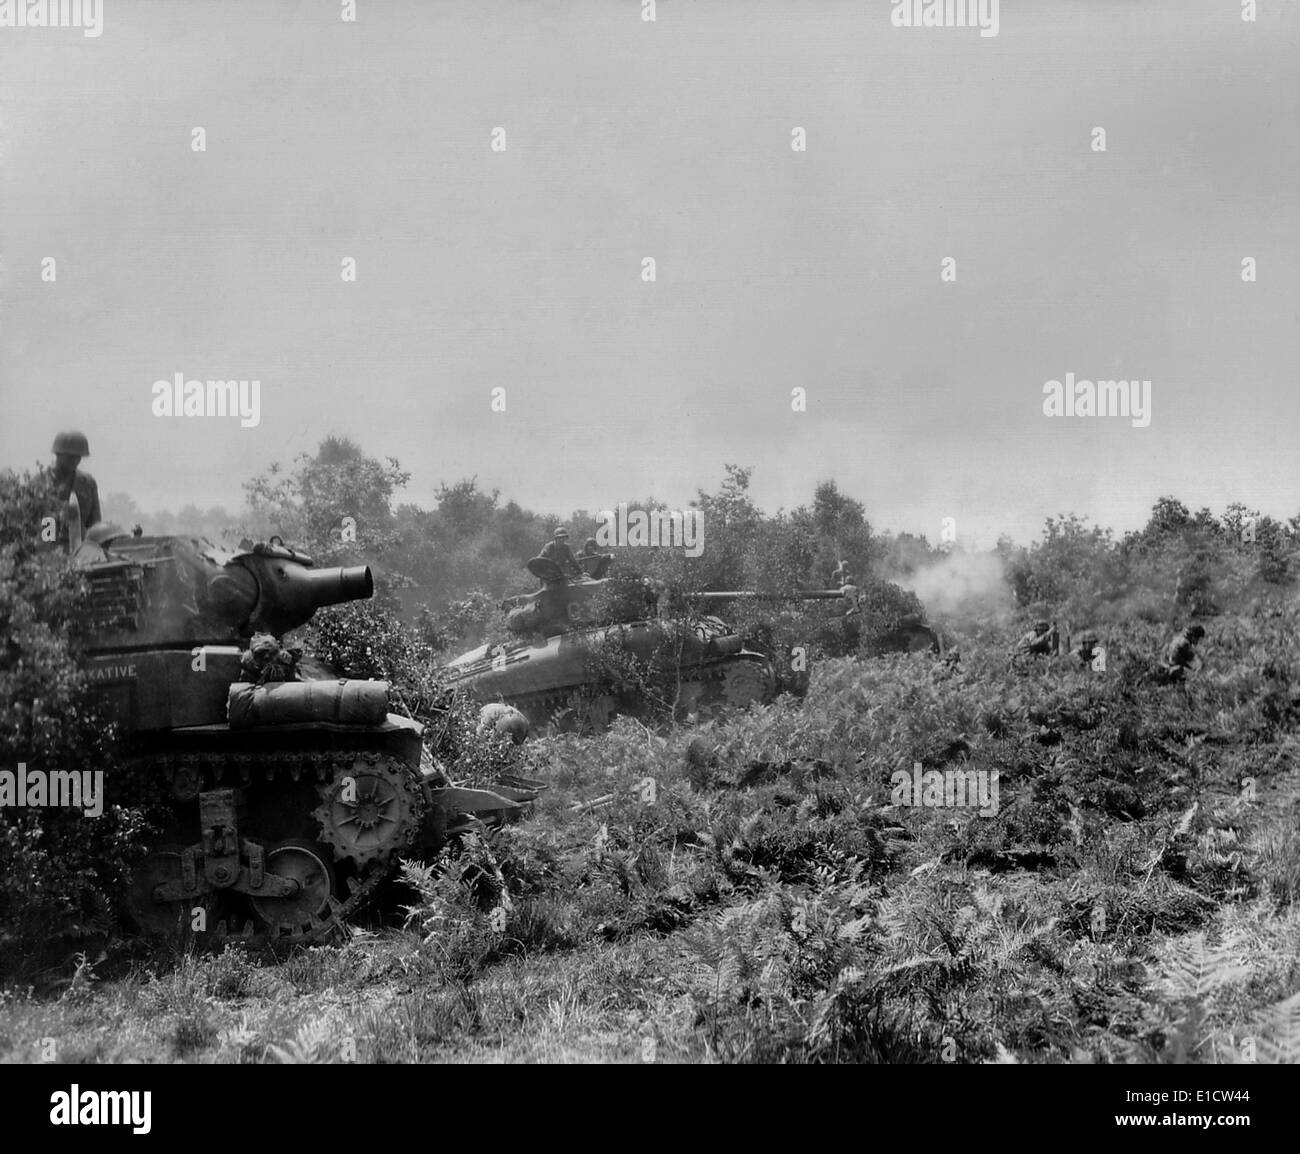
pixel 61 872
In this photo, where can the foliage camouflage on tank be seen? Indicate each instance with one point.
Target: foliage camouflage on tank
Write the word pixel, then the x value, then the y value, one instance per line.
pixel 586 649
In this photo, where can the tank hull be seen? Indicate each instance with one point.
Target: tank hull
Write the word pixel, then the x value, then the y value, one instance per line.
pixel 698 667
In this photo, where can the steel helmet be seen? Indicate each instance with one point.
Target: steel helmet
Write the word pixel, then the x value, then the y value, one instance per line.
pixel 71 441
pixel 561 532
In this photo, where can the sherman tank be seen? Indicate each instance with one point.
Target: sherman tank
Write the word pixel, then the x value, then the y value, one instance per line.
pixel 293 792
pixel 550 669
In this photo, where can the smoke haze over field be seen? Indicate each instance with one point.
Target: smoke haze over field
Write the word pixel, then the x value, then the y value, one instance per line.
pixel 625 140
pixel 962 584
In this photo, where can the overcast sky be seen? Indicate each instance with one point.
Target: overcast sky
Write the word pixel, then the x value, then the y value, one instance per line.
pixel 625 139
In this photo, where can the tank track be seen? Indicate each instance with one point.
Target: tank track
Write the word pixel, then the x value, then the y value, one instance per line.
pixel 318 932
pixel 259 775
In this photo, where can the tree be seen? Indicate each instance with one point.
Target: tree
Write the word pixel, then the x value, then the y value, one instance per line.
pixel 336 505
pixel 464 510
pixel 1168 515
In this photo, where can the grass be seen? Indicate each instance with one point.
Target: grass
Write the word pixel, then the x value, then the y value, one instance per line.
pixel 750 892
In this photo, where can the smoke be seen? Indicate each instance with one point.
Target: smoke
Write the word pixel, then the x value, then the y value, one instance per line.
pixel 962 585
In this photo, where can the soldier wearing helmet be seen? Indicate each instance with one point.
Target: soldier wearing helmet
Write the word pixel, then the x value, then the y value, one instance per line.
pixel 1041 641
pixel 558 551
pixel 1087 649
pixel 67 479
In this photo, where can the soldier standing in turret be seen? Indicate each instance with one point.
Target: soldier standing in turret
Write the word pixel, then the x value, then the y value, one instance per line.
pixel 69 448
pixel 559 552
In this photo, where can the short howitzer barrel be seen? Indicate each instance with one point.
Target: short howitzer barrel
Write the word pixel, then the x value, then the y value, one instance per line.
pixel 289 593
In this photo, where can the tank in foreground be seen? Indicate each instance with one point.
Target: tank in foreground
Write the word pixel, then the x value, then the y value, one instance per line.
pixel 292 794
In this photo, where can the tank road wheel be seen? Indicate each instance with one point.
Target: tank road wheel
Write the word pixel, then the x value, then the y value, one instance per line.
pixel 371 809
pixel 746 682
pixel 305 863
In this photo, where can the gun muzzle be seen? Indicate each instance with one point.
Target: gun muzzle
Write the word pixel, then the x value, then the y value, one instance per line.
pixel 343 583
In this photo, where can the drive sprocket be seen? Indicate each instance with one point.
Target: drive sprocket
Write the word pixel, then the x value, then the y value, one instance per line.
pixel 371 807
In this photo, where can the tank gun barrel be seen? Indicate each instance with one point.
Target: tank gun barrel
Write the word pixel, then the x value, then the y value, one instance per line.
pixel 753 595
pixel 289 593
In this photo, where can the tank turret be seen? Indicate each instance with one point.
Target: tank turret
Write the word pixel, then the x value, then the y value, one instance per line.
pixel 176 591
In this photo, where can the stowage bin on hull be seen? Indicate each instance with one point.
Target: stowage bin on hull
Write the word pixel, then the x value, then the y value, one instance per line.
pixel 291 800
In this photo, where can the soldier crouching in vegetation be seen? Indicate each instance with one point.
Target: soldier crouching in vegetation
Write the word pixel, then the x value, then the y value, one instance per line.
pixel 1087 650
pixel 1181 657
pixel 1041 641
pixel 503 720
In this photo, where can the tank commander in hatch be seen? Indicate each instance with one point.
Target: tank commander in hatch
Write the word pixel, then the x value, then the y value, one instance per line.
pixel 558 551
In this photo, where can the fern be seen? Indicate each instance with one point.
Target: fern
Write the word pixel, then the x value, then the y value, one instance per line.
pixel 1195 971
pixel 1278 1039
pixel 316 1042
